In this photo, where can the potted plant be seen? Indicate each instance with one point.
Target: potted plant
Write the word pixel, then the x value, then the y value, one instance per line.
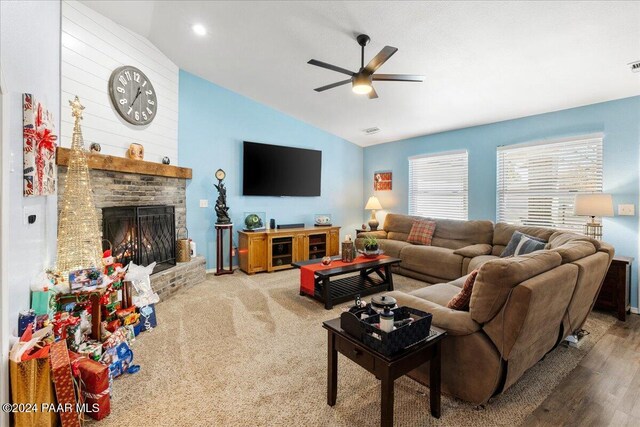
pixel 370 245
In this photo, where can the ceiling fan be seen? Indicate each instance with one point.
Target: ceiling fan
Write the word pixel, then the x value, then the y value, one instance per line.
pixel 362 80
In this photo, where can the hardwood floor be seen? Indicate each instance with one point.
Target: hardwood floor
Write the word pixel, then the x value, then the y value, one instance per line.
pixel 604 390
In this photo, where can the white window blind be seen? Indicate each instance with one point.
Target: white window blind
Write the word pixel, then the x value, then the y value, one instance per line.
pixel 538 182
pixel 438 185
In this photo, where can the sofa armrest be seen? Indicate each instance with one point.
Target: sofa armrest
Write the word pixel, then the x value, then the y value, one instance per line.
pixel 378 234
pixel 453 321
pixel 473 251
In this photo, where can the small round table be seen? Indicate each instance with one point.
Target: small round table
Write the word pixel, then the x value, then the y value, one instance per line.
pixel 220 229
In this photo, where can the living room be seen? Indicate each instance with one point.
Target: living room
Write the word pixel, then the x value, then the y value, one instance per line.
pixel 465 174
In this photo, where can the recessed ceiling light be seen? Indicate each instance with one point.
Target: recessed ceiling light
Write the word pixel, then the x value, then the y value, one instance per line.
pixel 199 29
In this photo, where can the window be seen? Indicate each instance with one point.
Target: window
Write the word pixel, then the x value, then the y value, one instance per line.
pixel 438 185
pixel 538 182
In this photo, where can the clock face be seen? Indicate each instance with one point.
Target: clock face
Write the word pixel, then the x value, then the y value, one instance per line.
pixel 133 95
pixel 220 174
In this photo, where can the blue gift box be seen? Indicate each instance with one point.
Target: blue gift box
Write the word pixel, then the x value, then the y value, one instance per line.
pixel 148 317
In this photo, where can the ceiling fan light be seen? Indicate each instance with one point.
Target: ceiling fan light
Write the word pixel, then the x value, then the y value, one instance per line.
pixel 362 84
pixel 361 89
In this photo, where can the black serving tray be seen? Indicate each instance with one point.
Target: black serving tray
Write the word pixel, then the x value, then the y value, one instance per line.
pixel 387 343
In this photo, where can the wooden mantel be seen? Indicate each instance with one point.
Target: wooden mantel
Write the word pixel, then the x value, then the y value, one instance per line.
pixel 121 164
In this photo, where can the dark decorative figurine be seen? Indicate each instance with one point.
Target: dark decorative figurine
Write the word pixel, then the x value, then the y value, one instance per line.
pixel 166 160
pixel 222 210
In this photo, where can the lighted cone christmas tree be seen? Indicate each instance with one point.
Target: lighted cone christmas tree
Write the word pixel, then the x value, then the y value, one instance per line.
pixel 79 240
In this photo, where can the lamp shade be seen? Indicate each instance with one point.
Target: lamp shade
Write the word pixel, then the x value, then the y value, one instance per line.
pixel 373 203
pixel 598 204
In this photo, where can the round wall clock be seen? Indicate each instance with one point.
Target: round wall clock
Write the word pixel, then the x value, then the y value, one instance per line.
pixel 133 95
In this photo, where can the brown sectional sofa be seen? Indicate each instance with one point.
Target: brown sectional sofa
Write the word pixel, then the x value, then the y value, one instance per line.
pixel 521 307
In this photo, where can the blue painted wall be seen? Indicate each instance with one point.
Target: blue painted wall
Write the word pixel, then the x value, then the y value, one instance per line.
pixel 619 121
pixel 213 123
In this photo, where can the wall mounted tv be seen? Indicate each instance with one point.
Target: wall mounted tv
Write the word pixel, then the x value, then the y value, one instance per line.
pixel 274 170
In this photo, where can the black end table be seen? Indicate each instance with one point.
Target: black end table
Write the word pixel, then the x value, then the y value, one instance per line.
pixel 386 369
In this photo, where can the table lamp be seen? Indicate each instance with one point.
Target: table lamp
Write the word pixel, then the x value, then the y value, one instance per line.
pixel 373 204
pixel 593 205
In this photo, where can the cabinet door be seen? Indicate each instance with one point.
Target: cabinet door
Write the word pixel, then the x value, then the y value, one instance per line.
pixel 298 247
pixel 334 242
pixel 257 253
pixel 280 251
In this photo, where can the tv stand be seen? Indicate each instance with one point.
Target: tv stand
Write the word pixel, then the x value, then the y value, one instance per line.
pixel 273 250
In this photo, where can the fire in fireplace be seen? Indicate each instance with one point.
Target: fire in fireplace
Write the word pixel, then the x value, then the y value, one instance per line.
pixel 142 234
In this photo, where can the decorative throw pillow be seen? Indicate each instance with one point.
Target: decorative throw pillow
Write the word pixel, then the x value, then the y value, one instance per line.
pixel 521 244
pixel 461 300
pixel 422 232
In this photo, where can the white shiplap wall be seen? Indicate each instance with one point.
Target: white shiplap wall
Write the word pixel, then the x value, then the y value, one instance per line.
pixel 92 47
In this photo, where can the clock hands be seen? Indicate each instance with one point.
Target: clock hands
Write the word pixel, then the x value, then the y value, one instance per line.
pixel 137 95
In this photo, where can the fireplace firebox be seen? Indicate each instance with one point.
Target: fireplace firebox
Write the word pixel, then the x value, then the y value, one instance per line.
pixel 142 234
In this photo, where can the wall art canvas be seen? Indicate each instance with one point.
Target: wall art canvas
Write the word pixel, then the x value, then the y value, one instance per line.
pixel 382 181
pixel 39 148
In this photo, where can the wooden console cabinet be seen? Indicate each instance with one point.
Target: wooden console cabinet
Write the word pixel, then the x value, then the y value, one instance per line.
pixel 272 250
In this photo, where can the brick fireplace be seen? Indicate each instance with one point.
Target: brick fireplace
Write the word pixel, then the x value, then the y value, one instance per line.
pixel 143 191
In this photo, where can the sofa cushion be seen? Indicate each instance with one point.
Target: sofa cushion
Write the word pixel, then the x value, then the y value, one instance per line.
pixel 472 251
pixel 422 232
pixel 392 247
pixel 559 238
pixel 432 260
pixel 479 260
pixel 503 232
pixel 440 294
pixel 452 321
pixel 461 300
pixel 456 234
pixel 574 250
pixel 398 226
pixel 496 279
pixel 521 244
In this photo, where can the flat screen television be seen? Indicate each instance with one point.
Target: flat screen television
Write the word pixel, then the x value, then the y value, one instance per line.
pixel 275 170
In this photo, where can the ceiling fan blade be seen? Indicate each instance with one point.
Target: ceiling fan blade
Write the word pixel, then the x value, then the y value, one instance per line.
pixel 398 77
pixel 373 94
pixel 332 85
pixel 380 58
pixel 331 67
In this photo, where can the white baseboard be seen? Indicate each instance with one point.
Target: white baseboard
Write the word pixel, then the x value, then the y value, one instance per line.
pixel 635 310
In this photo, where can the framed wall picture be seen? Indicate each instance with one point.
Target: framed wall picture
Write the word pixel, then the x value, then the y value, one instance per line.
pixel 39 148
pixel 382 181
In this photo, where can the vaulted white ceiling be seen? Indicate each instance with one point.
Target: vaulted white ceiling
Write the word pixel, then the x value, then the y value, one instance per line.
pixel 483 61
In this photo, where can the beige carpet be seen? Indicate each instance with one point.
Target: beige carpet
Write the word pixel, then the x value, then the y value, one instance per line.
pixel 249 351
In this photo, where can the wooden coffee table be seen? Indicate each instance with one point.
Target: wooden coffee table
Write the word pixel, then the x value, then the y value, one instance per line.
pixel 375 276
pixel 386 369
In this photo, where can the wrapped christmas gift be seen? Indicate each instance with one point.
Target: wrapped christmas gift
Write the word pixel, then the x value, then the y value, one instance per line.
pixel 25 318
pixel 117 359
pixel 61 322
pixel 148 317
pixel 94 385
pixel 65 392
pixel 44 302
pixel 31 381
pixel 90 349
pixel 128 316
pixel 124 334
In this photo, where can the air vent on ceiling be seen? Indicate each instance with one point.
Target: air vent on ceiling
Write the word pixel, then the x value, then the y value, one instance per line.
pixel 371 131
pixel 635 66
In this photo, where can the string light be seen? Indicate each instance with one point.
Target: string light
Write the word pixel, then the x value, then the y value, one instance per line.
pixel 79 236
